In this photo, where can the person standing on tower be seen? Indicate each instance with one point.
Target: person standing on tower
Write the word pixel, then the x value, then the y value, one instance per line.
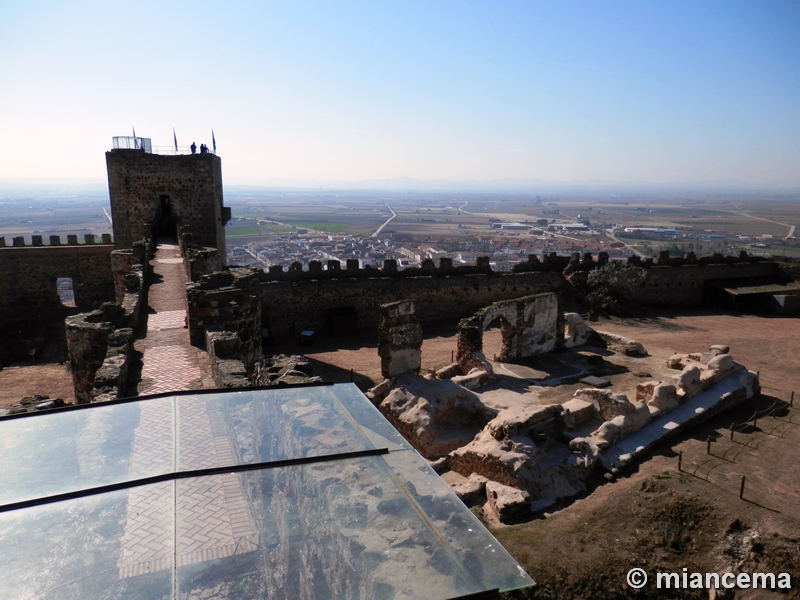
pixel 193 148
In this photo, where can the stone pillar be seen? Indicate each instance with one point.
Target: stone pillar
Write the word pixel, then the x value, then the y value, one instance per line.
pixel 352 265
pixel 470 340
pixel 106 237
pixel 399 339
pixel 36 240
pixel 315 268
pixel 87 344
pixel 121 263
pixel 72 239
pixel 19 241
pixel 334 265
pixel 2 242
pixel 88 238
pixel 55 240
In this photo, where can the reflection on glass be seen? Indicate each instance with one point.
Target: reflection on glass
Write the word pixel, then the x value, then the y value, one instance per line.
pixel 371 527
pixel 89 548
pixel 66 451
pixel 346 529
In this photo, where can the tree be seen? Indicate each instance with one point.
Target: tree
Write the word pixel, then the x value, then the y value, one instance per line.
pixel 612 288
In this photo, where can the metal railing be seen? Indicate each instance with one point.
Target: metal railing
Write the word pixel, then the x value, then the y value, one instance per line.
pixel 170 150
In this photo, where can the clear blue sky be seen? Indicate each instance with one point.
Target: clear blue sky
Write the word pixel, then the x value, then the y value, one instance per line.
pixel 655 91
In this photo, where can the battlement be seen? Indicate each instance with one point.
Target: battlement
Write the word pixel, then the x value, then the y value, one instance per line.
pixel 335 270
pixel 37 241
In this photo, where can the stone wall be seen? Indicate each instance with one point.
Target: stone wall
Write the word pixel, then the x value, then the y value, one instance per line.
pixel 28 273
pixel 290 306
pixel 226 302
pixel 399 339
pixel 529 325
pixel 100 342
pixel 185 191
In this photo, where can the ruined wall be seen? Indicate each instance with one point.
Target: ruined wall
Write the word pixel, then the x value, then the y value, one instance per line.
pixel 148 189
pixel 528 325
pixel 292 306
pixel 226 302
pixel 100 342
pixel 28 273
pixel 399 339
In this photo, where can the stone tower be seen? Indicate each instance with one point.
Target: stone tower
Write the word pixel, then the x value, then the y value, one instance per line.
pixel 176 196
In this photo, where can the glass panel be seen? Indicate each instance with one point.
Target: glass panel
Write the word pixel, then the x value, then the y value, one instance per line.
pixel 264 425
pixel 371 422
pixel 62 452
pixel 490 563
pixel 91 548
pixel 340 529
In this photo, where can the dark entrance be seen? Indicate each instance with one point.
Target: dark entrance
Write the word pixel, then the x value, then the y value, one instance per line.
pixel 165 222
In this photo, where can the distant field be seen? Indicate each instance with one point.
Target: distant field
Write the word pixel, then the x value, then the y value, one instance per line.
pixel 329 226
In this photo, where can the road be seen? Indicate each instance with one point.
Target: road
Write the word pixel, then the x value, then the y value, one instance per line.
pixel 389 220
pixel 743 214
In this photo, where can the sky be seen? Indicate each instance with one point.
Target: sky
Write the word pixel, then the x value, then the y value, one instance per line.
pixel 662 91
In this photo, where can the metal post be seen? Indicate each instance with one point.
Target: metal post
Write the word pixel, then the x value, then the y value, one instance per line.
pixel 452 356
pixel 732 424
pixel 791 402
pixel 741 489
pixel 755 419
pixel 680 460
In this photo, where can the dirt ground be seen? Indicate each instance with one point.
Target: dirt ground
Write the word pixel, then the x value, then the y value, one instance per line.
pixel 20 380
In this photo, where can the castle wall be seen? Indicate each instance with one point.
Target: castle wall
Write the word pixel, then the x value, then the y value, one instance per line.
pixel 141 185
pixel 683 285
pixel 28 273
pixel 289 307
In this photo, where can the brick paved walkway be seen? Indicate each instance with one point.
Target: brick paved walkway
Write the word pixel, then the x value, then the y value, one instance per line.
pixel 213 520
pixel 169 362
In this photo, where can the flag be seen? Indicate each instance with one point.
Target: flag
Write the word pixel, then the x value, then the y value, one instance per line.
pixel 175 137
pixel 213 141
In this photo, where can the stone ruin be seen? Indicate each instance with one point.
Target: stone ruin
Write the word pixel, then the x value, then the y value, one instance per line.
pixel 524 457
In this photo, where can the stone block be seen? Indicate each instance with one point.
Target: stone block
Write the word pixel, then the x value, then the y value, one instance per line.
pixel 471 491
pixel 36 240
pixel 506 503
pixel 522 420
pixel 664 397
pixel 401 361
pixel 577 411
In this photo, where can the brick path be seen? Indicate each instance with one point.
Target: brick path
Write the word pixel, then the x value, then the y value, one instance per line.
pixel 213 520
pixel 169 361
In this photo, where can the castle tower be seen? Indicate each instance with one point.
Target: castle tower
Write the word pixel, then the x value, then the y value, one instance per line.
pixel 165 195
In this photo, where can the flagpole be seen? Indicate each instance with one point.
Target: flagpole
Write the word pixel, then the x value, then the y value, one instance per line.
pixel 175 139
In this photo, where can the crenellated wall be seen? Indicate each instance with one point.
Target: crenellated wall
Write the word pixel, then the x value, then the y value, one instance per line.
pixel 289 307
pixel 28 273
